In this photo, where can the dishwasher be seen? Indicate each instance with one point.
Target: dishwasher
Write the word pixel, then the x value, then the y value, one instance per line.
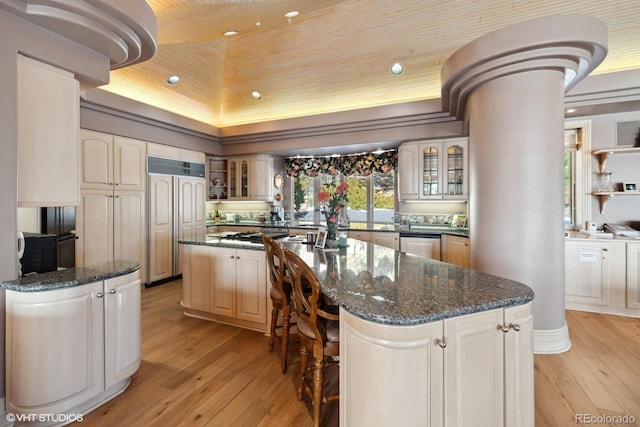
pixel 426 245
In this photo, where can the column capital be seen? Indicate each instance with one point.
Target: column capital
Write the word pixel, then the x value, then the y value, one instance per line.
pixel 573 44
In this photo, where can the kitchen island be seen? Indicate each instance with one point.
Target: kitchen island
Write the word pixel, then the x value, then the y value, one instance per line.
pixel 422 342
pixel 72 340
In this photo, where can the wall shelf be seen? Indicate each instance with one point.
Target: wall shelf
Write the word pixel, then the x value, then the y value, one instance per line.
pixel 603 154
pixel 604 196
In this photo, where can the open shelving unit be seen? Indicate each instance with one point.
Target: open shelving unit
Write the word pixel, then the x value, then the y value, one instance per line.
pixel 603 155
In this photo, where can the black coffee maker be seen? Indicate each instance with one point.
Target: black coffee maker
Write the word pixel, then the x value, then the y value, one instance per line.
pixel 274 216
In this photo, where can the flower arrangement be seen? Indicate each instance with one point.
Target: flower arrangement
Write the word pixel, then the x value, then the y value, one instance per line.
pixel 333 199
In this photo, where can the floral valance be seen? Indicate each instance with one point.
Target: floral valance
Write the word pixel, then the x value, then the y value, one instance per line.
pixel 352 164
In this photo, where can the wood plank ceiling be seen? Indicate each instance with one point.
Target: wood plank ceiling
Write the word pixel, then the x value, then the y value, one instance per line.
pixel 334 56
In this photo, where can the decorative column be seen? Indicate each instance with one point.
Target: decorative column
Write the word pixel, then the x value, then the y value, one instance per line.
pixel 508 88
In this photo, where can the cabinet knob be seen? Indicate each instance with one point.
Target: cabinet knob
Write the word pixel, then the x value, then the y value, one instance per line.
pixel 232 257
pixel 441 342
pixel 99 294
pixel 112 291
pixel 504 328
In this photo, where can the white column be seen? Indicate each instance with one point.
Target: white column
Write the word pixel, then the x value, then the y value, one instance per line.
pixel 509 87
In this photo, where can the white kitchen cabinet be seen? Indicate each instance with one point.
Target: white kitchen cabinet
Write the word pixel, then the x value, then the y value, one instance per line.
pixel 432 170
pixel 111 162
pixel 386 239
pixel 364 236
pixel 48 117
pixel 633 278
pixel 238 178
pixel 474 369
pixel 455 250
pixel 122 331
pixel 111 225
pixel 192 222
pixel 595 275
pixel 261 186
pixel 72 346
pixel 426 247
pixel 226 285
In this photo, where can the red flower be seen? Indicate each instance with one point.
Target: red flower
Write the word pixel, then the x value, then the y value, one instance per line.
pixel 323 196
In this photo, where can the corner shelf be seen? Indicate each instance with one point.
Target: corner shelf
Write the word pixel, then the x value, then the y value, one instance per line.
pixel 603 154
pixel 604 196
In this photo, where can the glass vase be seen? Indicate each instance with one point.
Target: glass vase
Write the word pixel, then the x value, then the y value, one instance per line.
pixel 332 235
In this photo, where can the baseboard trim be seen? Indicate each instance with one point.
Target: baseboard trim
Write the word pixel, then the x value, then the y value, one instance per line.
pixel 551 341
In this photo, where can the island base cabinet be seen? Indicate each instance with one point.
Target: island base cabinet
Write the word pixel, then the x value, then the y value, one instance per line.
pixel 225 285
pixel 70 350
pixel 475 369
pixel 54 349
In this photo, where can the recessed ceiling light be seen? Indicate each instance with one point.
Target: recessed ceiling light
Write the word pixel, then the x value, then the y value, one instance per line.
pixel 258 23
pixel 256 94
pixel 173 79
pixel 231 33
pixel 397 69
pixel 291 14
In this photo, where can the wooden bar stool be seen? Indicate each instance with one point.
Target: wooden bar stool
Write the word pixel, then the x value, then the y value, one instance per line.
pixel 280 294
pixel 318 330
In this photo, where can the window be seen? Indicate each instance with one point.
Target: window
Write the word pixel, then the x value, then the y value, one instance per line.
pixel 577 179
pixel 371 197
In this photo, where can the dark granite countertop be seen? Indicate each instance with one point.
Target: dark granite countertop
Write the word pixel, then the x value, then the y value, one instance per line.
pixel 71 276
pixel 218 240
pixel 385 286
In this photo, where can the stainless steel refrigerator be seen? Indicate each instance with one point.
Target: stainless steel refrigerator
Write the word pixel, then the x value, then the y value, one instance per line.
pixel 176 197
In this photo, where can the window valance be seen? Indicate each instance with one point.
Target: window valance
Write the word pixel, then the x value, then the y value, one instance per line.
pixel 352 164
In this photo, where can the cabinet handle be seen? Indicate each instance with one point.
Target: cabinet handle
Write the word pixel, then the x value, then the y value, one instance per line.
pixel 112 291
pixel 441 342
pixel 504 328
pixel 99 294
pixel 515 327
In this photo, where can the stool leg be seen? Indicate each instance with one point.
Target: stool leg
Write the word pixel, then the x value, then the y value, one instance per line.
pixel 304 356
pixel 286 317
pixel 274 322
pixel 318 380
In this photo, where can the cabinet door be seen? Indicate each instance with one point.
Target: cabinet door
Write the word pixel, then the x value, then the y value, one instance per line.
pixel 122 327
pixel 191 210
pixel 196 277
pixel 455 170
pixel 474 370
pixel 518 363
pixel 430 170
pixel 408 172
pixel 54 349
pixel 455 250
pixel 47 110
pixel 160 227
pixel 389 240
pixel 412 364
pixel 96 157
pixel 633 275
pixel 129 169
pixel 424 247
pixel 129 227
pixel 223 281
pixel 261 186
pixel 251 286
pixel 94 228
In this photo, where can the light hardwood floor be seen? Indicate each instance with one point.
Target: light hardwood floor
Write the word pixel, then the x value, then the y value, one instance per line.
pixel 200 373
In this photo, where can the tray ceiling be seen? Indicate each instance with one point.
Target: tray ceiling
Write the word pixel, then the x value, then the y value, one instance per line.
pixel 335 56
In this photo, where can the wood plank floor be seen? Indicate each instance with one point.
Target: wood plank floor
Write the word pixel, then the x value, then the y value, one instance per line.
pixel 199 373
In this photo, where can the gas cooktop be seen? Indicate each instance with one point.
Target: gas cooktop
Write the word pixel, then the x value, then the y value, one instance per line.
pixel 254 237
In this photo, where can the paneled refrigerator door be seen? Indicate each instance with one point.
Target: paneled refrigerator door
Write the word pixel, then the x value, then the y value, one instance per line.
pixel 160 227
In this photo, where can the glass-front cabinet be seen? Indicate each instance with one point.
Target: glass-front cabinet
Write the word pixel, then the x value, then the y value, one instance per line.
pixel 431 170
pixel 238 178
